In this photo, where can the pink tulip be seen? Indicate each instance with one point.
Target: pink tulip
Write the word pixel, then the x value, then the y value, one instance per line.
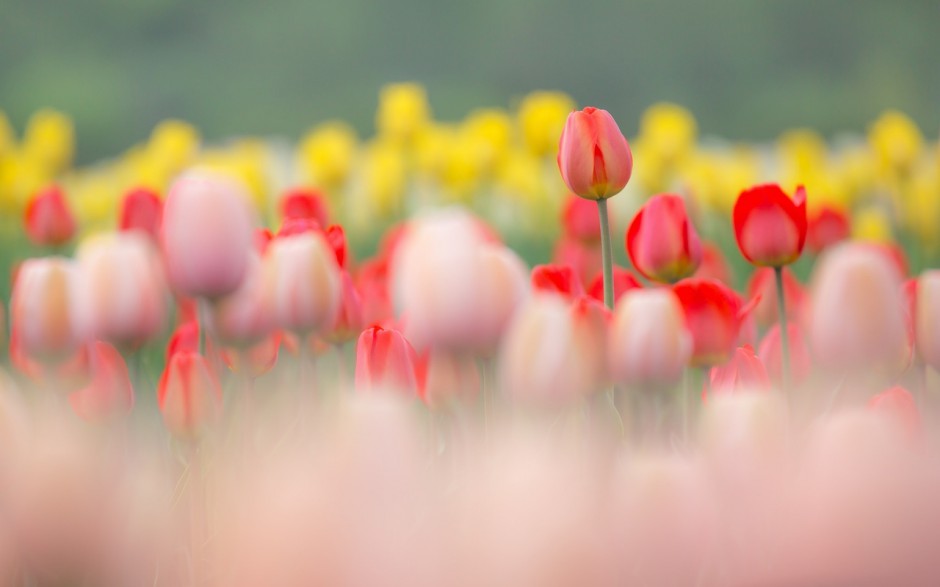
pixel 593 156
pixel 714 314
pixel 898 404
pixel 624 281
pixel 385 360
pixel 44 310
pixel 444 378
pixel 583 256
pixel 661 241
pixel 560 279
pixel 743 373
pixel 714 265
pixel 206 235
pixel 927 317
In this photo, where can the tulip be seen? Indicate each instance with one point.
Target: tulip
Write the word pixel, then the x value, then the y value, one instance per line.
pixel 206 235
pixel 142 209
pixel 49 221
pixel 184 339
pixel 856 315
pixel 624 281
pixel 770 352
pixel 927 317
pixel 373 288
pixel 554 351
pixel 661 241
pixel 559 279
pixel 385 360
pixel 110 393
pixel 593 155
pixel 304 203
pixel 761 288
pixel 769 226
pixel 303 283
pixel 898 404
pixel 44 310
pixel 649 345
pixel 743 373
pixel 123 293
pixel 714 314
pixel 579 220
pixel 189 395
pixel 243 318
pixel 825 227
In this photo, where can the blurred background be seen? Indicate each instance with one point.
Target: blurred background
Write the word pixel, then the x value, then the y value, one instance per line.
pixel 746 69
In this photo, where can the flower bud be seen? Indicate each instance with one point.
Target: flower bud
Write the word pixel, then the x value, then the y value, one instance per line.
pixel 825 227
pixel 713 314
pixel 560 279
pixel 769 226
pixel 44 310
pixel 593 156
pixel 304 203
pixel 189 395
pixel 385 360
pixel 661 241
pixel 580 220
pixel 142 209
pixel 49 221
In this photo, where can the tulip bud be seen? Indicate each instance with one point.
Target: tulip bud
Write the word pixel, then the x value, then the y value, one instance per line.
pixel 713 314
pixel 554 351
pixel 303 283
pixel 927 317
pixel 49 221
pixel 743 373
pixel 856 315
pixel 206 235
pixel 661 241
pixel 44 311
pixel 385 360
pixel 189 395
pixel 593 156
pixel 649 344
pixel 142 209
pixel 304 203
pixel 110 393
pixel 123 293
pixel 560 279
pixel 770 227
pixel 624 281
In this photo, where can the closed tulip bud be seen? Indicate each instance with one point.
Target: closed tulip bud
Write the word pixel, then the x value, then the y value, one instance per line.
pixel 554 351
pixel 455 288
pixel 580 220
pixel 123 292
pixel 743 373
pixel 560 279
pixel 926 317
pixel 624 281
pixel 49 221
pixel 593 156
pixel 856 315
pixel 206 235
pixel 303 283
pixel 189 395
pixel 385 360
pixel 770 352
pixel 649 344
pixel 44 310
pixel 713 314
pixel 769 226
pixel 827 226
pixel 243 318
pixel 110 394
pixel 762 287
pixel 142 209
pixel 304 203
pixel 661 241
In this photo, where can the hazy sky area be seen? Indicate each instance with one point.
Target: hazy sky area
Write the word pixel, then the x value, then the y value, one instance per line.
pixel 747 69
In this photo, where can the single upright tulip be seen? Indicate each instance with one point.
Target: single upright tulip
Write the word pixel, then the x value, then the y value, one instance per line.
pixel 593 155
pixel 304 203
pixel 743 373
pixel 189 395
pixel 927 317
pixel 624 281
pixel 661 241
pixel 206 235
pixel 714 314
pixel 44 310
pixel 560 279
pixel 385 360
pixel 769 226
pixel 649 345
pixel 856 316
pixel 110 393
pixel 49 221
pixel 123 291
pixel 142 209
pixel 303 283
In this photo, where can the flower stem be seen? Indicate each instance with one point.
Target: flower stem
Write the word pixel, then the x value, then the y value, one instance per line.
pixel 606 254
pixel 784 331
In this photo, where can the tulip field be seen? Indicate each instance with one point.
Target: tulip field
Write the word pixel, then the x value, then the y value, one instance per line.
pixel 515 349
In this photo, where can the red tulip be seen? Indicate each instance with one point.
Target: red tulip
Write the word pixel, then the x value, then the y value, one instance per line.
pixel 559 279
pixel 49 221
pixel 142 209
pixel 624 281
pixel 184 339
pixel 385 360
pixel 189 395
pixel 898 404
pixel 593 156
pixel 825 227
pixel 771 353
pixel 336 237
pixel 744 372
pixel 713 313
pixel 304 203
pixel 580 220
pixel 110 393
pixel 372 284
pixel 661 241
pixel 769 226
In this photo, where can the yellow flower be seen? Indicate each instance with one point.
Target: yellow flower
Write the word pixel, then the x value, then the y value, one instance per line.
pixel 20 178
pixel 872 224
pixel 384 177
pixel 541 118
pixel 173 145
pixel 803 152
pixel 403 111
pixel 896 141
pixel 668 132
pixel 326 153
pixel 49 140
pixel 95 198
pixel 920 207
pixel 247 162
pixel 491 129
pixel 7 136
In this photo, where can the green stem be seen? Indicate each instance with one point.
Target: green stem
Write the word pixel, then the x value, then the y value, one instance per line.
pixel 784 331
pixel 606 254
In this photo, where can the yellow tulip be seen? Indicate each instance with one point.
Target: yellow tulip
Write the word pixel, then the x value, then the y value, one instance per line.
pixel 920 206
pixel 491 129
pixel 7 136
pixel 49 140
pixel 803 151
pixel 20 178
pixel 95 199
pixel 872 224
pixel 384 176
pixel 896 140
pixel 541 119
pixel 326 154
pixel 403 111
pixel 173 145
pixel 668 132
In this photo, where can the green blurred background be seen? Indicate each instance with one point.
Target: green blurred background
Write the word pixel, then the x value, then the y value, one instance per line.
pixel 747 69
